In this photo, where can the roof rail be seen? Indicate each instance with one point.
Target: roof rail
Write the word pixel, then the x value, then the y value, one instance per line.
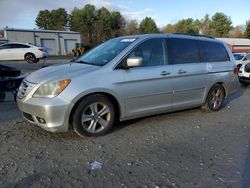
pixel 195 35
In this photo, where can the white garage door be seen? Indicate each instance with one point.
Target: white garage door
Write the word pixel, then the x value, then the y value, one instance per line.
pixel 69 45
pixel 50 44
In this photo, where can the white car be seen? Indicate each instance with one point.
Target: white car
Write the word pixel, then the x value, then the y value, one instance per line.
pixel 244 74
pixel 242 58
pixel 21 51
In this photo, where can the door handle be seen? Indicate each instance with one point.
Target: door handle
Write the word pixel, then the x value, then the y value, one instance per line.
pixel 165 73
pixel 182 71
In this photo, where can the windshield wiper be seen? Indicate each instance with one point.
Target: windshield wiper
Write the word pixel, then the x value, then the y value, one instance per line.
pixel 84 62
pixel 88 63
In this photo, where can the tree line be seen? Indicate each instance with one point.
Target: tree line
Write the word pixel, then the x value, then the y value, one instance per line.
pixel 98 25
pixel 219 25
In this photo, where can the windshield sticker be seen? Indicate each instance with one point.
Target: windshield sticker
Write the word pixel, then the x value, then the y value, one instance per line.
pixel 128 40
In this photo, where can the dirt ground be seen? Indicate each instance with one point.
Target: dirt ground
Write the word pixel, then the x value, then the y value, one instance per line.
pixel 190 148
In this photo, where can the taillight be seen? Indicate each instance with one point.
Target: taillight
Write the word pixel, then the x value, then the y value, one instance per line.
pixel 41 49
pixel 236 70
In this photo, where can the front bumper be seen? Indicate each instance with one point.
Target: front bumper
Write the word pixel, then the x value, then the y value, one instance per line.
pixel 244 79
pixel 49 114
pixel 243 75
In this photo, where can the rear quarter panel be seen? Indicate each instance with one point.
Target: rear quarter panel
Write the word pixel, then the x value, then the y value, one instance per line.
pixel 223 72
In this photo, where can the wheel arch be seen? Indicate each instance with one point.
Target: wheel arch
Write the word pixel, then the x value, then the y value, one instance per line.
pixel 226 89
pixel 29 53
pixel 111 97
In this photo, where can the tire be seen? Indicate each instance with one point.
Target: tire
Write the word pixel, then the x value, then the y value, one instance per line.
pixel 36 60
pixel 99 115
pixel 30 58
pixel 243 84
pixel 215 98
pixel 2 96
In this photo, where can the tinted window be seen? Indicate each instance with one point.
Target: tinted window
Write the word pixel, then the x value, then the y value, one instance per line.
pixel 212 51
pixel 183 51
pixel 19 46
pixel 152 52
pixel 5 46
pixel 238 56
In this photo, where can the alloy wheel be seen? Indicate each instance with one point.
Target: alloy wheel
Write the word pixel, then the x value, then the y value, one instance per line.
pixel 96 117
pixel 216 98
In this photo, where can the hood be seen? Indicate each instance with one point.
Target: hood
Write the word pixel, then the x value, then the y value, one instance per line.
pixel 60 72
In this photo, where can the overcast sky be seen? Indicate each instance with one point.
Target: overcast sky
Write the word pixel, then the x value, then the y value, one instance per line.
pixel 22 13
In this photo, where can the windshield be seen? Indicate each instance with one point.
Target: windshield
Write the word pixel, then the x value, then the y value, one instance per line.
pixel 238 56
pixel 105 52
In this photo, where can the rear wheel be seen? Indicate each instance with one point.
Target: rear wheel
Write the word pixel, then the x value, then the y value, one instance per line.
pixel 94 116
pixel 215 98
pixel 30 58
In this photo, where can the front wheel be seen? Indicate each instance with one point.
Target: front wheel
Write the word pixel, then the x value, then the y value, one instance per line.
pixel 215 98
pixel 94 116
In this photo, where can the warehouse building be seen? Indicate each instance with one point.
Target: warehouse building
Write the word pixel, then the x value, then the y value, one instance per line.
pixel 237 44
pixel 56 42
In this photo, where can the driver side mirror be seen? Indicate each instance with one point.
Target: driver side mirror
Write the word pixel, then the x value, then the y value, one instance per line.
pixel 133 62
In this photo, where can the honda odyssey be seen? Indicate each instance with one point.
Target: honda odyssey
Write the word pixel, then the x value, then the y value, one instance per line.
pixel 129 77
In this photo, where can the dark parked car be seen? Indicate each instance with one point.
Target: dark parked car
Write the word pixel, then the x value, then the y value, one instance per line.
pixel 10 80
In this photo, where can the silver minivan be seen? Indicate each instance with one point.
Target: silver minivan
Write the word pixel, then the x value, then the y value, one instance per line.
pixel 129 77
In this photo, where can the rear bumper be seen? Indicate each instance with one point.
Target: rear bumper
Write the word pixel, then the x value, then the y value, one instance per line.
pixel 42 55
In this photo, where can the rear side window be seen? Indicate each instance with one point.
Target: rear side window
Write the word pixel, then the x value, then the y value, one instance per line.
pixel 183 51
pixel 20 46
pixel 212 52
pixel 6 46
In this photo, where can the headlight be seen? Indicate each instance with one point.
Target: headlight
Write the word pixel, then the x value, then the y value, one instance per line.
pixel 51 89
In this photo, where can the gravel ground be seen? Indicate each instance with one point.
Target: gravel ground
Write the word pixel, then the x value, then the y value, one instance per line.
pixel 183 149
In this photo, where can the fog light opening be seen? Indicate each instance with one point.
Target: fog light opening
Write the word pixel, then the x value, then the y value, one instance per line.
pixel 41 120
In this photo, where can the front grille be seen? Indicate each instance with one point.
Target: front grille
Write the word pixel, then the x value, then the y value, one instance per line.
pixel 247 67
pixel 25 88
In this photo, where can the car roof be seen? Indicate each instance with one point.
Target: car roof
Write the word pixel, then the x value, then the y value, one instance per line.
pixel 173 35
pixel 240 53
pixel 17 43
